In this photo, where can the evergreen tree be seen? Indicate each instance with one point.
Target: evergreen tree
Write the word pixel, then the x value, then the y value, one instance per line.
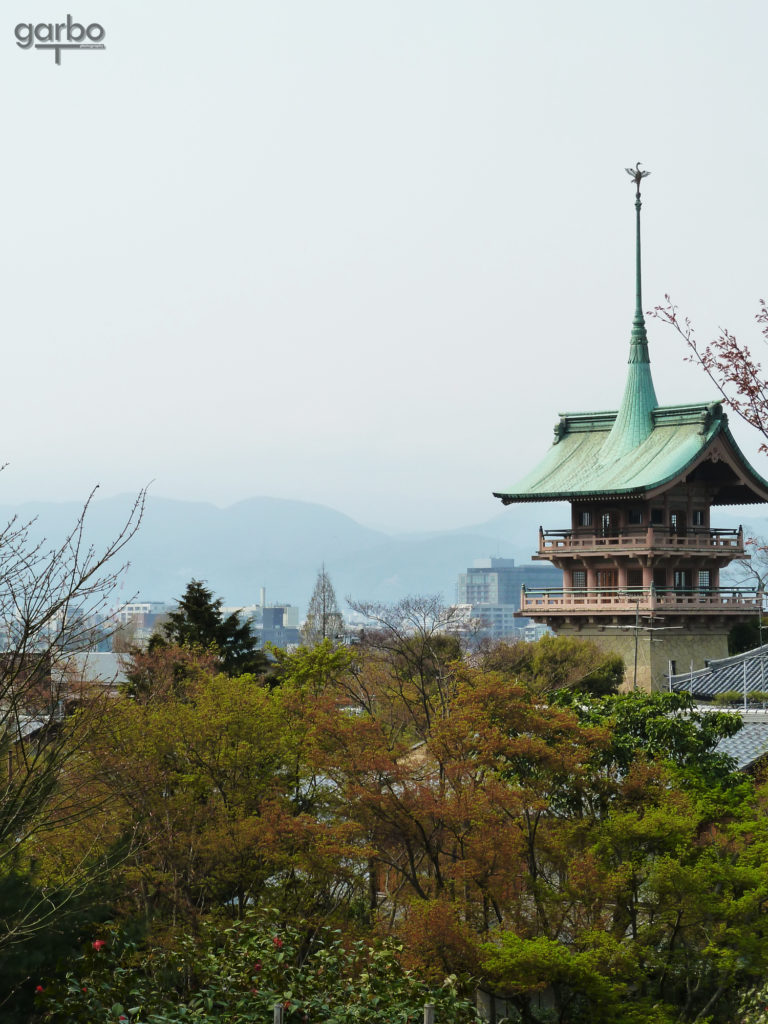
pixel 324 621
pixel 199 623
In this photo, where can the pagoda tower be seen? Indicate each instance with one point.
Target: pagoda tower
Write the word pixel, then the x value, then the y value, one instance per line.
pixel 641 558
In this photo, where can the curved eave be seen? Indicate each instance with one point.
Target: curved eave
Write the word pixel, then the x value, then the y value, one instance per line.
pixel 757 484
pixel 515 499
pixel 751 487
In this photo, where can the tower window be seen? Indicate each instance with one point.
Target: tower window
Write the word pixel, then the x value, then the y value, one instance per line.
pixel 704 579
pixel 609 524
pixel 606 579
pixel 677 523
pixel 682 579
pixel 584 517
pixel 657 516
pixel 698 517
pixel 635 517
pixel 579 579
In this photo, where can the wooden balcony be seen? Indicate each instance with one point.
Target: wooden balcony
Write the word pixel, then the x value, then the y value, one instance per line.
pixel 542 603
pixel 633 540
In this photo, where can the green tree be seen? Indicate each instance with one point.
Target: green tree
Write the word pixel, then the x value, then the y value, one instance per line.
pixel 217 802
pixel 557 662
pixel 200 624
pixel 324 620
pixel 664 725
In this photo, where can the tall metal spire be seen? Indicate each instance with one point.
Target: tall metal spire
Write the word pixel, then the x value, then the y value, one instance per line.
pixel 634 421
pixel 638 352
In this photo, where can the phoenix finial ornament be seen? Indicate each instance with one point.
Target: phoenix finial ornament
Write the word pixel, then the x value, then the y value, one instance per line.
pixel 637 176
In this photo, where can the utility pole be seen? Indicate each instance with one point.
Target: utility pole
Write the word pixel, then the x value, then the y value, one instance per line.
pixel 646 629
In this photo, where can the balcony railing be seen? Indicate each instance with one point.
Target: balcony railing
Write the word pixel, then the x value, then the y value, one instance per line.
pixel 627 600
pixel 641 537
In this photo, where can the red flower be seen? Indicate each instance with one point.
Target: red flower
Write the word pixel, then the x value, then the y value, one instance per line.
pixel 98 945
pixel 277 942
pixel 254 991
pixel 85 989
pixel 39 989
pixel 257 965
pixel 287 1003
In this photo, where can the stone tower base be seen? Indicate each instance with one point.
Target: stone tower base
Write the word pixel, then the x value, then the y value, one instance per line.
pixel 686 647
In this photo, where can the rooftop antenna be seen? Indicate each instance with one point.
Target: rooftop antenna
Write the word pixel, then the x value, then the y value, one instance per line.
pixel 650 630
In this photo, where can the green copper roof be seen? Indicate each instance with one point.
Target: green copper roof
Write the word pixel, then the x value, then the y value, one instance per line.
pixel 634 420
pixel 582 463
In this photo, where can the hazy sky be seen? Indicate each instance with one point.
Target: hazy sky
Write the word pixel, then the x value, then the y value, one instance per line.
pixel 361 253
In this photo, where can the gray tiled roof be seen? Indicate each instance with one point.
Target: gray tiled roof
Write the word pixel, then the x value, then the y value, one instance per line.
pixel 727 674
pixel 749 744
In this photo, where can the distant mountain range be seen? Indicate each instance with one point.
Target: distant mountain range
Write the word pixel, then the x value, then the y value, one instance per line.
pixel 280 545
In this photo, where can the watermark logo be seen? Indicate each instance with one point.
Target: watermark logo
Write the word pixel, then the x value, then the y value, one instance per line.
pixel 66 35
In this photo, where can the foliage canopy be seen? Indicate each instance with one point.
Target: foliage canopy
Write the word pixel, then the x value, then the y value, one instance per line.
pixel 199 624
pixel 549 845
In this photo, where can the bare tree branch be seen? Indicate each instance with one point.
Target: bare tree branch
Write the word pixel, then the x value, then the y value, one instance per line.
pixel 53 606
pixel 737 375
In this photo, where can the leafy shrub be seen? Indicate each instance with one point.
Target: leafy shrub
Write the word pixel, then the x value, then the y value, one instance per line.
pixel 729 697
pixel 238 974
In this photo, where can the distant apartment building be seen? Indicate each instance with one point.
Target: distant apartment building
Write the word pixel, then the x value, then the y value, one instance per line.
pixel 280 625
pixel 138 611
pixel 249 612
pixel 491 590
pixel 136 621
pixel 276 624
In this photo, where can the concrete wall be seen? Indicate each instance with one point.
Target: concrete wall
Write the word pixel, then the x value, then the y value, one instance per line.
pixel 655 650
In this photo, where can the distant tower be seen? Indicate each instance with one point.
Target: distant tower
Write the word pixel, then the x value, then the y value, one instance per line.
pixel 640 551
